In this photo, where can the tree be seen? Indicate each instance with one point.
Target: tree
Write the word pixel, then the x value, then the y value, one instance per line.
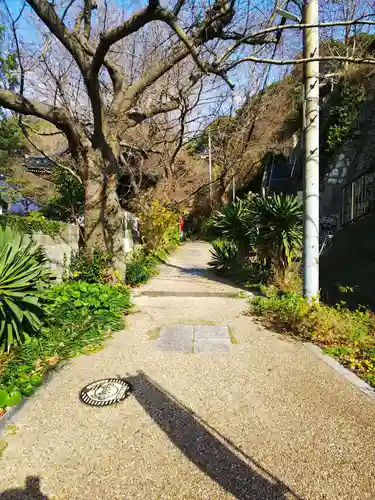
pixel 10 132
pixel 67 204
pixel 111 98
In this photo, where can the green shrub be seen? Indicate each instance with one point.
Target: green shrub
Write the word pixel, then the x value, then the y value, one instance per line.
pixel 206 229
pixel 140 265
pixel 287 280
pixel 348 335
pixel 344 109
pixel 136 273
pixel 79 318
pixel 21 380
pixel 92 268
pixel 257 273
pixel 224 256
pixel 267 231
pixel 23 276
pixel 158 225
pixel 233 222
pixel 172 237
pixel 35 222
pixel 94 301
pixel 277 229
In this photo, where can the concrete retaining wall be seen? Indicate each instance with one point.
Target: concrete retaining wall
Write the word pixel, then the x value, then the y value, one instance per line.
pixel 59 249
pixel 350 261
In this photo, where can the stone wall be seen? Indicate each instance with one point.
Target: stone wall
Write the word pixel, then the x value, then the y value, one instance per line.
pixel 355 157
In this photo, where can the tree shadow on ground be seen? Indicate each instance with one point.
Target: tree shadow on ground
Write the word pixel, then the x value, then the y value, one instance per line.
pixel 30 492
pixel 211 452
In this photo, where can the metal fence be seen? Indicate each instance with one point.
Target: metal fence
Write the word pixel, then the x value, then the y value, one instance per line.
pixel 358 197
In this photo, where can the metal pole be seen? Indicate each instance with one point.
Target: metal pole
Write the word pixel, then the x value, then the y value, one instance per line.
pixel 234 187
pixel 210 164
pixel 311 172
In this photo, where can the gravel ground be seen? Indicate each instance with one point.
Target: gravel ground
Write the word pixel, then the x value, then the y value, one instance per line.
pixel 268 420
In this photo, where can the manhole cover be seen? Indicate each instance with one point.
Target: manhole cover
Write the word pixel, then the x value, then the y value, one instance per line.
pixel 105 392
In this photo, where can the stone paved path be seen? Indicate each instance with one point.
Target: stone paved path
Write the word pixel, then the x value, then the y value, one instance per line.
pixel 267 420
pixel 200 338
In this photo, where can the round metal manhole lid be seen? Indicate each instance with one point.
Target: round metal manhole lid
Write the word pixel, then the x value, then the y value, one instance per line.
pixel 105 392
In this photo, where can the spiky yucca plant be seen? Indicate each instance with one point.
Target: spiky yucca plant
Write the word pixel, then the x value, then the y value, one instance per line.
pixel 232 221
pixel 277 220
pixel 224 255
pixel 23 277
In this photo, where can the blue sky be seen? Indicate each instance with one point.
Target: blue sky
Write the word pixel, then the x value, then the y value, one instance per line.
pixel 29 33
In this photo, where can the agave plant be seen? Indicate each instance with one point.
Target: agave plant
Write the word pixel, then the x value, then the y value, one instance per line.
pixel 23 277
pixel 224 255
pixel 232 222
pixel 277 229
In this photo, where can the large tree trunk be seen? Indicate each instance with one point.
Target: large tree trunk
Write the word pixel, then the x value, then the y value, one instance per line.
pixel 103 214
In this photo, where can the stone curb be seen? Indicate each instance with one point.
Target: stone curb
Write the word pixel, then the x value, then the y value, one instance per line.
pixel 344 372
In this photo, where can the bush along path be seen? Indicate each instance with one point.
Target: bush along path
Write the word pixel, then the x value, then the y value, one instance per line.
pixel 348 336
pixel 41 323
pixel 79 317
pixel 259 243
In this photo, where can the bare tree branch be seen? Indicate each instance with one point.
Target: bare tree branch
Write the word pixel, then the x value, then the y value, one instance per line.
pixel 111 36
pixel 45 11
pixel 113 71
pixel 295 26
pixel 178 7
pixel 36 132
pixel 52 160
pixel 66 10
pixel 287 62
pixel 89 6
pixel 55 115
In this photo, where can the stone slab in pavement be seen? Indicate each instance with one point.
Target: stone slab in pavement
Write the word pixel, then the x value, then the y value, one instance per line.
pixel 201 338
pixel 212 345
pixel 211 331
pixel 180 331
pixel 183 344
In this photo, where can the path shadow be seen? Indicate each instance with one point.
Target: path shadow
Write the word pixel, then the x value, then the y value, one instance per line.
pixel 219 459
pixel 203 272
pixel 30 492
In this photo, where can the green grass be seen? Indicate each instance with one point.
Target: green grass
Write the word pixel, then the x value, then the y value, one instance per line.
pixel 233 339
pixel 154 333
pixel 3 447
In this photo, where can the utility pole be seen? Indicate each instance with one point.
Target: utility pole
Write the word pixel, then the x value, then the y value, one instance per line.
pixel 311 148
pixel 210 164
